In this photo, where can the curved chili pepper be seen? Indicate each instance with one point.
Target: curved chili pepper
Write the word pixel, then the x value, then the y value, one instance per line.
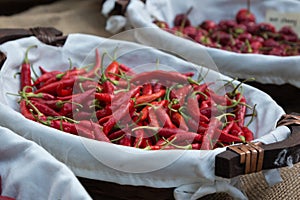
pixel 149 97
pixel 26 72
pixel 95 129
pixel 51 88
pixel 108 87
pixel 55 104
pixel 212 134
pixel 120 113
pixel 45 76
pixel 164 77
pixel 241 109
pixel 111 70
pixel 97 66
pixel 248 134
pixel 193 107
pixel 147 89
pixel 64 126
pixel 126 140
pixel 25 111
pixel 179 121
pixel 104 112
pixel 45 109
pixel 103 97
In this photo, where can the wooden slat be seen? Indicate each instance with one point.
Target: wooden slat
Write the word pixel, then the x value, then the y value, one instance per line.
pixel 276 155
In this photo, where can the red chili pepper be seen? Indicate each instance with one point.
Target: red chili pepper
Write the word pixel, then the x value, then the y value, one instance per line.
pixel 43 70
pixel 157 87
pixel 64 126
pixel 126 69
pixel 248 134
pixel 26 72
pixel 180 135
pixel 44 96
pixel 85 132
pixel 71 73
pixel 45 77
pixel 189 74
pixel 105 119
pixel 139 141
pixel 147 89
pixel 108 87
pixel 150 97
pixel 144 113
pixel 181 93
pixel 96 67
pixel 164 77
pixel 103 97
pixel 117 115
pixel 82 115
pixel 95 129
pixel 25 111
pixel 62 92
pixel 179 121
pixel 152 118
pixel 45 109
pixel 236 130
pixel 227 138
pixel 111 70
pixel 55 104
pixel 126 140
pixel 193 108
pixel 117 134
pixel 192 124
pixel 212 134
pixel 52 87
pixel 241 109
pixel 66 110
pixel 103 112
pixel 163 117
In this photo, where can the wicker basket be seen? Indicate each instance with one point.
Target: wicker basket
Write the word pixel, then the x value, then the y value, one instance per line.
pixel 228 163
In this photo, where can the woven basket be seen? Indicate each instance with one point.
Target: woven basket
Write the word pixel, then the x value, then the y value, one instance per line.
pixel 228 163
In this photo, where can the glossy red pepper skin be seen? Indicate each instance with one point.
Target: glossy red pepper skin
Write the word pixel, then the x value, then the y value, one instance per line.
pixel 193 108
pixel 45 109
pixel 118 114
pixel 103 97
pixel 96 68
pixel 104 112
pixel 64 126
pixel 46 76
pixel 149 97
pixel 163 117
pixel 241 109
pixel 111 70
pixel 25 111
pixel 212 134
pixel 179 121
pixel 52 87
pixel 147 89
pixel 248 134
pixel 26 73
pixel 95 130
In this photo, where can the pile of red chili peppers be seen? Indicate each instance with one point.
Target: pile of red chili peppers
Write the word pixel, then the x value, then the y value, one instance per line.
pixel 150 110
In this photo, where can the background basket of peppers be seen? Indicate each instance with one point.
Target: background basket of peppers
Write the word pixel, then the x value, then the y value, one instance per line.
pixel 239 36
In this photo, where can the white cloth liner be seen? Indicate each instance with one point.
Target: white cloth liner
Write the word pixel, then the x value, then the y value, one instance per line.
pixel 264 68
pixel 29 172
pixel 115 163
